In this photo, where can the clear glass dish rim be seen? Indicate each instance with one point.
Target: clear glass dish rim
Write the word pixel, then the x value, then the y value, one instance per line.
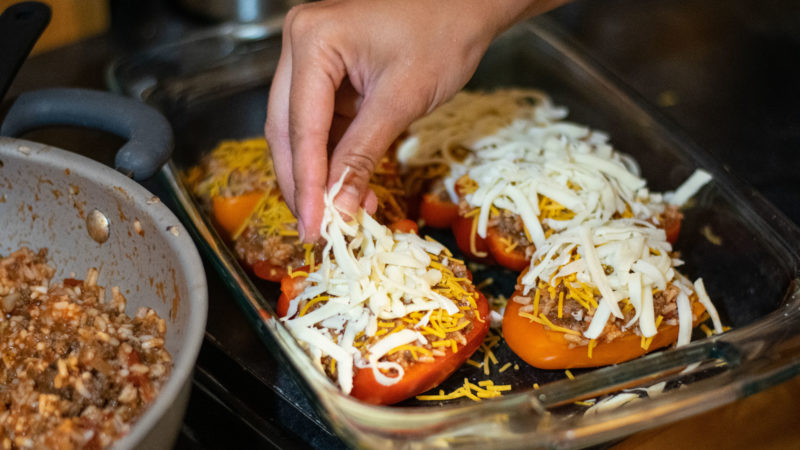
pixel 759 355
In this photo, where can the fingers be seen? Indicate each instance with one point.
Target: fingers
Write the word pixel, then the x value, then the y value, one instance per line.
pixel 276 128
pixel 370 202
pixel 349 81
pixel 380 119
pixel 316 75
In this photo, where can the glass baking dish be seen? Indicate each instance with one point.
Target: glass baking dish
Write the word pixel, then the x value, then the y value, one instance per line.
pixel 214 86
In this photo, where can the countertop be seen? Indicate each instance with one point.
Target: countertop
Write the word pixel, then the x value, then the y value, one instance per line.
pixel 726 72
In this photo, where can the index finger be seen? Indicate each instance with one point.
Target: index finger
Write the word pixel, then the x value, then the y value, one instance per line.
pixel 276 128
pixel 311 106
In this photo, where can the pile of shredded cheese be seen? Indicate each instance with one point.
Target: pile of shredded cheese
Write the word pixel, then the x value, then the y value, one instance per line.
pixel 234 167
pixel 623 261
pixel 583 205
pixel 368 278
pixel 237 167
pixel 271 217
pixel 468 118
pixel 524 158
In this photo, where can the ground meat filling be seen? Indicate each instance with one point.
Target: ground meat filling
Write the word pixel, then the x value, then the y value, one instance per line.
pixel 427 179
pixel 439 190
pixel 244 181
pixel 576 317
pixel 76 371
pixel 283 251
pixel 512 229
pixel 508 224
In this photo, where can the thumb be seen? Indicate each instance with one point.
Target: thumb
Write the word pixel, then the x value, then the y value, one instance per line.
pixel 351 195
pixel 377 124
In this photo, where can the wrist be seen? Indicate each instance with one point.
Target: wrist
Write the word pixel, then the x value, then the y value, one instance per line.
pixel 496 16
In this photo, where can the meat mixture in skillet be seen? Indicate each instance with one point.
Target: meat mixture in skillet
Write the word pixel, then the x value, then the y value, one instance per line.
pixel 76 371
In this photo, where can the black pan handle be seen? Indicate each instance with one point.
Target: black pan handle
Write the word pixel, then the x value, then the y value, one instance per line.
pixel 20 27
pixel 148 132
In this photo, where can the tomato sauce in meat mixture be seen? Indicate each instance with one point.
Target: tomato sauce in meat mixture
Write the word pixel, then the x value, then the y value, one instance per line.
pixel 76 371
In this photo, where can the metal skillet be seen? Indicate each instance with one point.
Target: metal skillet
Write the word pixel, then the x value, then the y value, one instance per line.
pixel 89 215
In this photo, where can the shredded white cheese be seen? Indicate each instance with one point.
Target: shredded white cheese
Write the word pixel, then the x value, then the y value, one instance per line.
pixel 369 274
pixel 624 258
pixel 516 148
pixel 689 188
pixel 623 398
pixel 700 288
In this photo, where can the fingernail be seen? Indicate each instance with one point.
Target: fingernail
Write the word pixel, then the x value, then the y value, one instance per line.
pixel 301 230
pixel 347 201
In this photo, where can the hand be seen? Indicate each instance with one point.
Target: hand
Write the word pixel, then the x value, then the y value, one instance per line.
pixel 353 74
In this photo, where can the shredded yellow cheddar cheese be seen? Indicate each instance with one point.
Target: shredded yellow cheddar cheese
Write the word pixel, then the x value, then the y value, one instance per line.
pixel 475 392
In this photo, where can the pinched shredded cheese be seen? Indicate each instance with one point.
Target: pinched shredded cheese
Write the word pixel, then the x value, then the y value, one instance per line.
pixel 386 293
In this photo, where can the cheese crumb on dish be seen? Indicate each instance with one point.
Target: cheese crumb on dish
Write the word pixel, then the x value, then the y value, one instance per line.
pixel 475 392
pixel 625 397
